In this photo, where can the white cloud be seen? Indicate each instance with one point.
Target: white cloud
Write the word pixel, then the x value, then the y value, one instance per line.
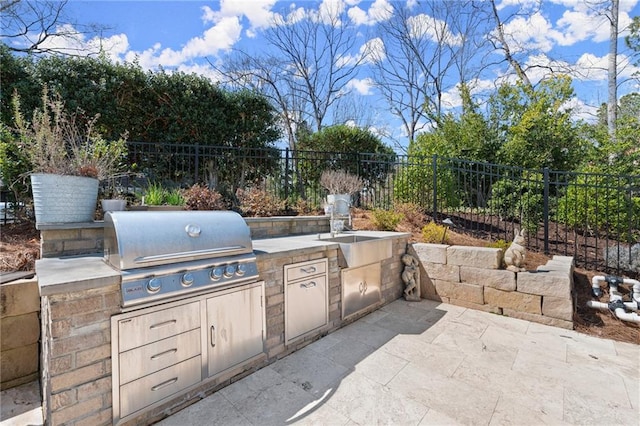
pixel 257 12
pixel 221 36
pixel 380 10
pixel 201 69
pixel 533 32
pixel 374 50
pixel 425 26
pixel 77 44
pixel 363 87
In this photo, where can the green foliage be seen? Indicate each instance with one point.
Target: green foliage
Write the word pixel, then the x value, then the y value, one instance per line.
pixel 597 203
pixel 174 197
pixel 413 181
pixel 535 126
pixel 434 233
pixel 258 202
pixel 56 142
pixel 386 220
pixel 354 150
pixel 519 198
pixel 501 244
pixel 199 197
pixel 155 195
pixel 13 161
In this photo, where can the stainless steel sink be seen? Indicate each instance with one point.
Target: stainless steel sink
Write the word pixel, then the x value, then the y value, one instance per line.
pixel 359 250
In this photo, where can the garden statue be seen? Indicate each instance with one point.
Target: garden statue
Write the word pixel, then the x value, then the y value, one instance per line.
pixel 514 255
pixel 411 278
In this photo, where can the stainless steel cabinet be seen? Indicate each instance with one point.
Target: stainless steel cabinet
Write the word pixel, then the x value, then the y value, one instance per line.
pixel 306 298
pixel 235 327
pixel 155 354
pixel 361 288
pixel 159 352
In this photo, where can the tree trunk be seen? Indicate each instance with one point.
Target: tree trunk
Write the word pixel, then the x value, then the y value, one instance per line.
pixel 612 104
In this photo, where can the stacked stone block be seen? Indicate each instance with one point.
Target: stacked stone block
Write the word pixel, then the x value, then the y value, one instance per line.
pixel 76 370
pixel 471 277
pixel 19 332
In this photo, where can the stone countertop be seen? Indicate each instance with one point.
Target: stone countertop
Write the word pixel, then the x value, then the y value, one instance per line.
pixel 71 274
pixel 309 243
pixel 79 273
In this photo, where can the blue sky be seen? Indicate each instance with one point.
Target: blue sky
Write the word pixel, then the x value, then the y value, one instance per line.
pixel 182 35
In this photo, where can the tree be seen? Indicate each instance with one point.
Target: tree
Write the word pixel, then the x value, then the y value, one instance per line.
pixel 35 26
pixel 612 82
pixel 417 54
pixel 304 69
pixel 355 150
pixel 535 125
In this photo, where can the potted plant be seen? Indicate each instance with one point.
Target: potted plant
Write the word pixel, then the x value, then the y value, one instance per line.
pixel 67 161
pixel 340 185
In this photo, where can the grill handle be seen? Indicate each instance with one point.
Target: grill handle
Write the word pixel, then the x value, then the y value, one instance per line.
pixel 188 254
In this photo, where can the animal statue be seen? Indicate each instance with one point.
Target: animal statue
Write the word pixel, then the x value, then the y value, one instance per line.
pixel 411 278
pixel 515 254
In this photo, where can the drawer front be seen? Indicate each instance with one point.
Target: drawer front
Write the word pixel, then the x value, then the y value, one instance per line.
pixel 155 356
pixel 305 269
pixel 148 328
pixel 306 306
pixel 143 392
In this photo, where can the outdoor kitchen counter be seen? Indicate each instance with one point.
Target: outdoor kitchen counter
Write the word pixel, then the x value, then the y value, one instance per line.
pixel 305 244
pixel 72 274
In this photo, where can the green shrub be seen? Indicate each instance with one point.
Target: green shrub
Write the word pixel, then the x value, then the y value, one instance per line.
pixel 155 195
pixel 520 198
pixel 501 244
pixel 599 203
pixel 434 233
pixel 174 198
pixel 386 220
pixel 199 197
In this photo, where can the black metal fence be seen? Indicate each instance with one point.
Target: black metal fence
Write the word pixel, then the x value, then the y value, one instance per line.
pixel 593 217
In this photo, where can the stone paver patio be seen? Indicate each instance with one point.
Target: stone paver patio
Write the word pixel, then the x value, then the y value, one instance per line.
pixel 421 363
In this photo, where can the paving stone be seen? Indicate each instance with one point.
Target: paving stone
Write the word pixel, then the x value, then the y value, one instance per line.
pixel 480 257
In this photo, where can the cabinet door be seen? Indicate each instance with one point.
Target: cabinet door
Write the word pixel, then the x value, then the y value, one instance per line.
pixel 360 288
pixel 234 328
pixel 306 306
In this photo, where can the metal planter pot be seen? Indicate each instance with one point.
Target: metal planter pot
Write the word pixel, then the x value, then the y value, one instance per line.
pixel 113 205
pixel 340 203
pixel 63 199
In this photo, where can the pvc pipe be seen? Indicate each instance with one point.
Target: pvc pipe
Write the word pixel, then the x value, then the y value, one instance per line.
pixel 620 313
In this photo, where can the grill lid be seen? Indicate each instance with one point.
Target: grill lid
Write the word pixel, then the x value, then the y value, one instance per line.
pixel 141 239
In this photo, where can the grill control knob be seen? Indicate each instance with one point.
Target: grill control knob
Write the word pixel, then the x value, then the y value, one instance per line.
pixel 242 268
pixel 229 271
pixel 187 279
pixel 216 273
pixel 154 285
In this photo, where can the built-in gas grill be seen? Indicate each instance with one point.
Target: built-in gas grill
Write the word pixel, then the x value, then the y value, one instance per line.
pixel 165 255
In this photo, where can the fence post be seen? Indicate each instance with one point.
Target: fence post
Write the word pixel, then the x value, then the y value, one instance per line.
pixel 286 173
pixel 545 212
pixel 197 164
pixel 434 168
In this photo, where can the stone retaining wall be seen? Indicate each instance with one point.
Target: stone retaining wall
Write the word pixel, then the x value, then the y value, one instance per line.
pixel 20 332
pixel 471 277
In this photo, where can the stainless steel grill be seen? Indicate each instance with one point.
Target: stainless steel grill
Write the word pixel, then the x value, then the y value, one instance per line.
pixel 164 255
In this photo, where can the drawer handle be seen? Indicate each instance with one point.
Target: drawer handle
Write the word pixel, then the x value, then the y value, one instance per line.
pixel 213 336
pixel 170 351
pixel 309 270
pixel 310 284
pixel 162 324
pixel 164 384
